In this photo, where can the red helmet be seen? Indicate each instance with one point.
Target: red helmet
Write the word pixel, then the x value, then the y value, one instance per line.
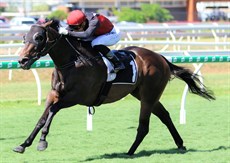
pixel 76 17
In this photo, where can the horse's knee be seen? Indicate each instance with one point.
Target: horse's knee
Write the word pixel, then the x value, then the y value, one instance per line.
pixel 41 123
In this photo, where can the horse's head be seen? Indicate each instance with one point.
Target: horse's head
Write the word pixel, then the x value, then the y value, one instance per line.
pixel 38 41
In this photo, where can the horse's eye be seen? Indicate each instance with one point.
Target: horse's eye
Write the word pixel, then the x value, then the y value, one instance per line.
pixel 38 38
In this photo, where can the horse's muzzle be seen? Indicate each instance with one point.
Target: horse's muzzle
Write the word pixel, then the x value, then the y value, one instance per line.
pixel 25 63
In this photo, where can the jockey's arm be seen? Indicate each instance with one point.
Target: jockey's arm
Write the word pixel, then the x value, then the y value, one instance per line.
pixel 89 32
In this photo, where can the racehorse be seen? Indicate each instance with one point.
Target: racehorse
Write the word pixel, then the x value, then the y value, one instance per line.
pixel 79 70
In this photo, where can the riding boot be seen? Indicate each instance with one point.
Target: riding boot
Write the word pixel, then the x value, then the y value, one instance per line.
pixel 118 65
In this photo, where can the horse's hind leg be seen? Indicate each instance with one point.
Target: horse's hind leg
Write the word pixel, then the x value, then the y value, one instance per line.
pixel 164 116
pixel 143 127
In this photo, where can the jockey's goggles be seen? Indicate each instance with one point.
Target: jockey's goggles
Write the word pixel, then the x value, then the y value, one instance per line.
pixel 77 27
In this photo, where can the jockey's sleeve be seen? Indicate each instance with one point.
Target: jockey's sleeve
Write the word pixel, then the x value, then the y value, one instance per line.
pixel 89 32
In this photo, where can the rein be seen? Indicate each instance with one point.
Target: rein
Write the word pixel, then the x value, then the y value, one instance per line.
pixel 80 58
pixel 49 44
pixel 45 50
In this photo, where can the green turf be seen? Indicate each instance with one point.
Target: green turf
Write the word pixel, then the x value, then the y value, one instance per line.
pixel 206 133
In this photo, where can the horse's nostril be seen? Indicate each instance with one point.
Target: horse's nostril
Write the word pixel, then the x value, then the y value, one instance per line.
pixel 23 60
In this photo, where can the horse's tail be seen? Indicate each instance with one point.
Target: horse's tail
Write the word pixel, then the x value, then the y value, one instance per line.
pixel 192 80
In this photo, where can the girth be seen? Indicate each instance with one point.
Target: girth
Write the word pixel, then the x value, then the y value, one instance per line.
pixel 102 93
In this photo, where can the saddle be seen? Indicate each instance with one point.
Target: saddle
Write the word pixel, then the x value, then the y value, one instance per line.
pixel 126 76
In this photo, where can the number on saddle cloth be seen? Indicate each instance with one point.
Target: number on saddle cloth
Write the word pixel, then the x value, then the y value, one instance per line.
pixel 129 74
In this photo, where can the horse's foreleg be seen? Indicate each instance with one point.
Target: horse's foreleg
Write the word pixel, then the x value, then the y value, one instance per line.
pixel 43 144
pixel 50 99
pixel 164 116
pixel 29 140
pixel 143 127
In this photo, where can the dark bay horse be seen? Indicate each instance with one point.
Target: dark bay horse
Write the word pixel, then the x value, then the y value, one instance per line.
pixel 80 72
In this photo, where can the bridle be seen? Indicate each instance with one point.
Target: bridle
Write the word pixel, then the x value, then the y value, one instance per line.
pixel 45 44
pixel 49 44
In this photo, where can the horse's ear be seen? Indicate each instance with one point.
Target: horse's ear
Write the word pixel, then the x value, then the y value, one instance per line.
pixel 48 23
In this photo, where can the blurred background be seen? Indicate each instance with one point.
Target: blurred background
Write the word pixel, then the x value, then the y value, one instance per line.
pixel 159 10
pixel 169 27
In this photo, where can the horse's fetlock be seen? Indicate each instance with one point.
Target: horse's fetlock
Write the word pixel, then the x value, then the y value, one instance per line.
pixel 27 143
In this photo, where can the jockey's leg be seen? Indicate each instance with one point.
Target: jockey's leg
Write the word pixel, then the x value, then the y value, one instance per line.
pixel 118 65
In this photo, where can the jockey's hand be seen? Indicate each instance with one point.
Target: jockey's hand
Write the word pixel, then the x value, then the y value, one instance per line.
pixel 63 31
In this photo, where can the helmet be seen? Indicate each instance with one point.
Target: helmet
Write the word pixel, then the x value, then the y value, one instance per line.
pixel 76 17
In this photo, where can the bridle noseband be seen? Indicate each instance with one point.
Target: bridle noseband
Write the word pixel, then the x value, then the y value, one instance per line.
pixel 41 41
pixel 49 44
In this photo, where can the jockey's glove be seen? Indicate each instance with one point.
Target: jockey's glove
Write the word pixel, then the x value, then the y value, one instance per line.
pixel 63 31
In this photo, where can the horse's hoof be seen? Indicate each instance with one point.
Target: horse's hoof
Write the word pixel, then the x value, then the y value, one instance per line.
pixel 129 153
pixel 19 149
pixel 42 145
pixel 182 149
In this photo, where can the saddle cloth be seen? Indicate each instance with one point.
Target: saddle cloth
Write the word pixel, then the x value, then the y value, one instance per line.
pixel 126 76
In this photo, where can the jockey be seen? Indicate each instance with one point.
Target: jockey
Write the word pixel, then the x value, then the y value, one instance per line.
pixel 96 28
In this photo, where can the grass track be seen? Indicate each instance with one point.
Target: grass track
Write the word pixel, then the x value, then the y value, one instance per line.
pixel 206 133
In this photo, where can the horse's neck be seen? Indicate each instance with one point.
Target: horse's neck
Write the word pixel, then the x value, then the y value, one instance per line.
pixel 67 51
pixel 88 75
pixel 60 53
pixel 84 48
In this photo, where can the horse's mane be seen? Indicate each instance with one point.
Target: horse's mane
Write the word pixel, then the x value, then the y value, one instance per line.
pixel 55 24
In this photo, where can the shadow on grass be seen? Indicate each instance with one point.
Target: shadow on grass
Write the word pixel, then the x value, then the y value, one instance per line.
pixel 12 138
pixel 145 153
